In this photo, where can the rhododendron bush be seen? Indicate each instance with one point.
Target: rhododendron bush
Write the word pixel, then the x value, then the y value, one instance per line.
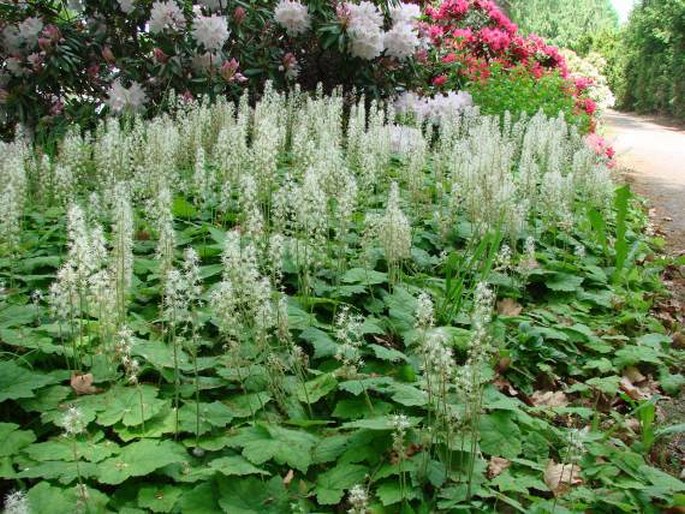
pixel 74 60
pixel 128 55
pixel 475 45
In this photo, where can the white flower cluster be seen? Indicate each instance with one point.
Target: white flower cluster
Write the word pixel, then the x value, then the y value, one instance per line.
pixel 365 29
pixel 434 109
pixel 293 16
pixel 401 41
pixel 14 37
pixel 359 500
pixel 393 229
pixel 166 16
pixel 127 6
pixel 210 31
pixel 29 30
pixel 73 421
pixel 17 502
pixel 120 98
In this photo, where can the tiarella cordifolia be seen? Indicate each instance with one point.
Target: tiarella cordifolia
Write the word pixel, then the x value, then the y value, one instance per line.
pixel 17 502
pixel 348 332
pixel 13 190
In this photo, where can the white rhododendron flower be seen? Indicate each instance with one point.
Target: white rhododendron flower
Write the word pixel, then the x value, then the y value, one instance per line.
pixel 293 16
pixel 166 16
pixel 405 13
pixel 364 28
pixel 364 14
pixel 366 42
pixel 401 41
pixel 11 39
pixel 121 98
pixel 210 31
pixel 29 30
pixel 126 6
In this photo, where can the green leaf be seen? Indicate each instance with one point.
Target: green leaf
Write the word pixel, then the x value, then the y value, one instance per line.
pixel 329 448
pixel 65 472
pixel 315 389
pixel 161 355
pixel 392 492
pixel 252 496
pixel 387 354
pixel 13 440
pixel 384 423
pixel 291 447
pixel 17 382
pixel 160 498
pixel 564 282
pixel 355 408
pixel 632 354
pixel 93 449
pixel 124 404
pixel 200 500
pixel 331 485
pixel 44 497
pixel 364 277
pixel 246 405
pixel 235 465
pixel 139 459
pixel 607 385
pixel 499 435
pixel 409 396
pixel 323 344
pixel 654 340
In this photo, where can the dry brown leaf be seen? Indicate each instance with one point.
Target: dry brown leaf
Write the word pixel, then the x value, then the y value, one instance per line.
pixel 679 340
pixel 633 425
pixel 549 399
pixel 505 386
pixel 509 307
pixel 561 477
pixel 83 384
pixel 288 477
pixel 497 465
pixel 633 374
pixel 644 392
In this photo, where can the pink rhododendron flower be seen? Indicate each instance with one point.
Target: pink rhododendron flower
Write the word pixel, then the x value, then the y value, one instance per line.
pixel 440 80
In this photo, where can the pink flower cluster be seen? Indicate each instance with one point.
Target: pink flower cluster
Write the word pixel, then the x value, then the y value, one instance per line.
pixel 602 148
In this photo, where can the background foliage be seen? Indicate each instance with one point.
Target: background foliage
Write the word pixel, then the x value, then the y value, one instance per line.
pixel 565 24
pixel 653 65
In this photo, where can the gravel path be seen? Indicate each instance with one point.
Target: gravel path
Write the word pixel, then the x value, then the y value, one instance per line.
pixel 653 153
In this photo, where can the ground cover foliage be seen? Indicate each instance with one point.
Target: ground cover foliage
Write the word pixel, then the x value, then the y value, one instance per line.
pixel 271 310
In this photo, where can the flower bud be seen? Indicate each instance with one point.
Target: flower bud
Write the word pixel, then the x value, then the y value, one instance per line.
pixel 239 15
pixel 108 55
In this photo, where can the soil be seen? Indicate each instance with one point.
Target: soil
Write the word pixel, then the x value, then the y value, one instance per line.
pixel 651 154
